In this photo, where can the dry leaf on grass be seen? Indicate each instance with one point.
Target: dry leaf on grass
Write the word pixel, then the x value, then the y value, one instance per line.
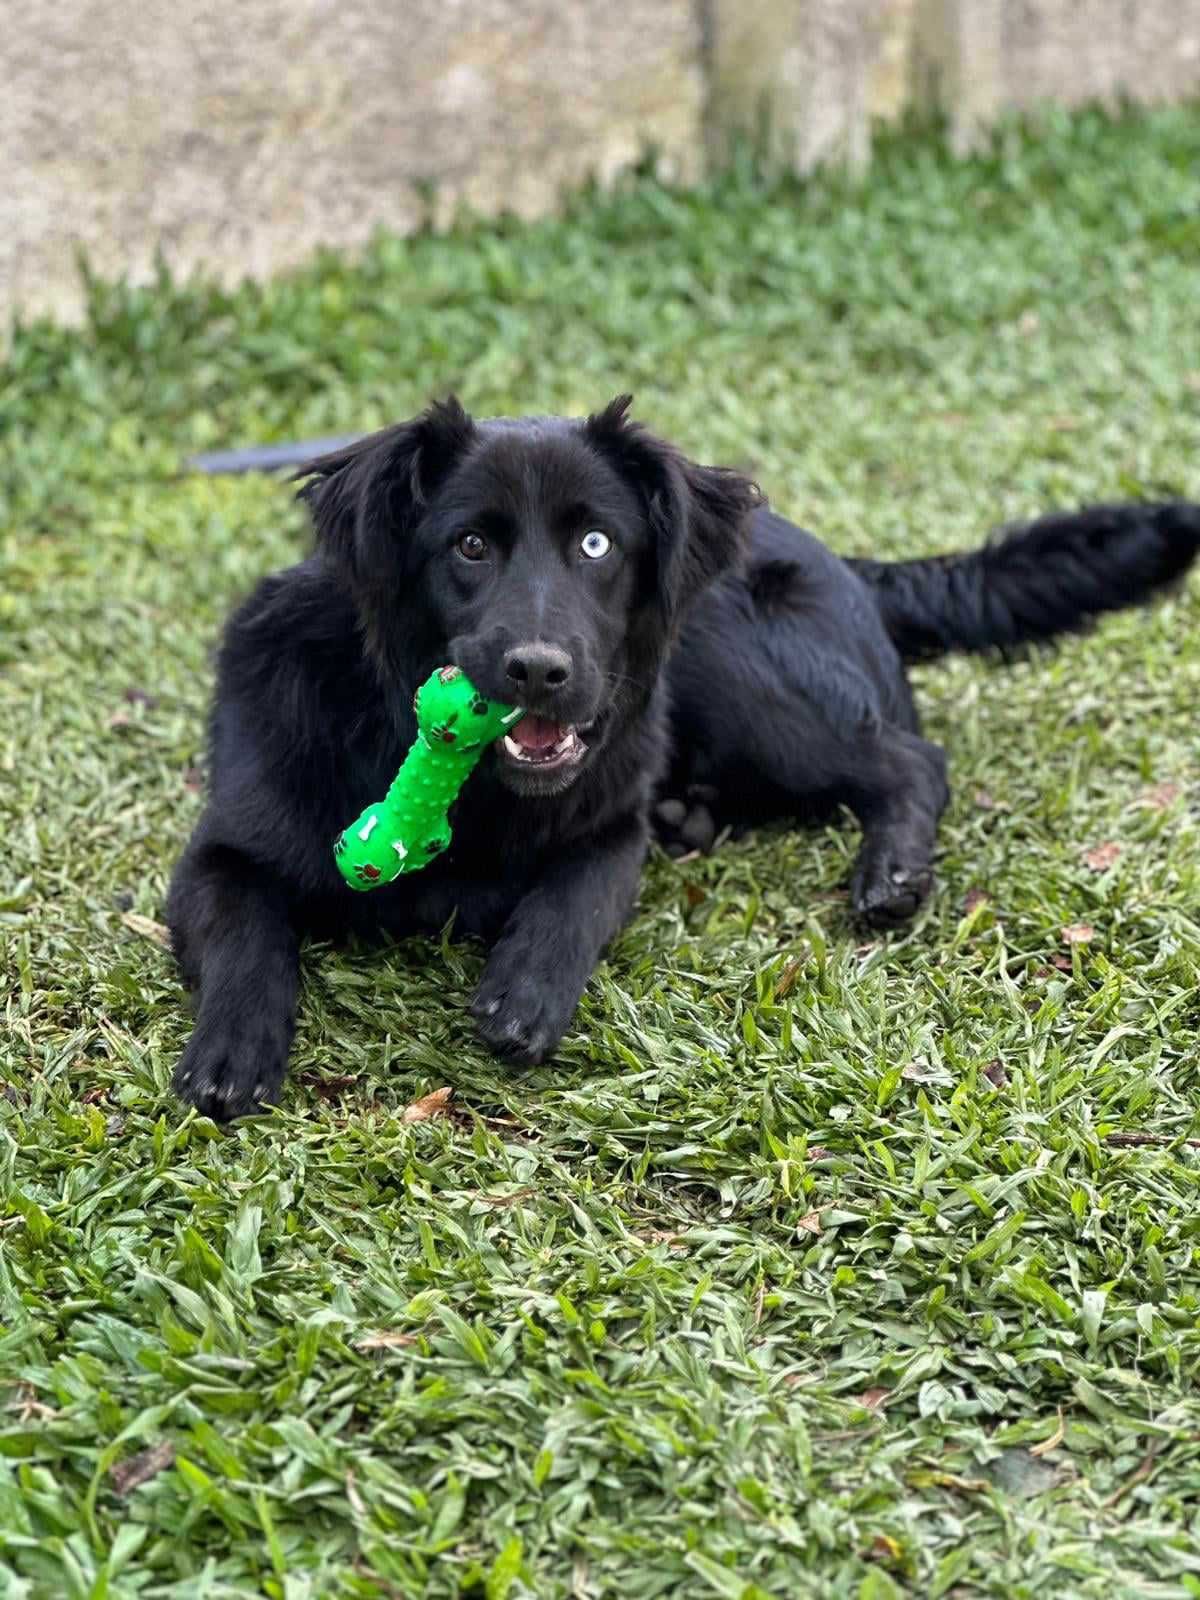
pixel 1133 1138
pixel 973 899
pixel 995 1074
pixel 147 928
pixel 1053 1442
pixel 1078 933
pixel 788 977
pixel 502 1201
pixel 884 1548
pixel 809 1224
pixel 28 1407
pixel 875 1399
pixel 1138 1475
pixel 984 800
pixel 436 1104
pixel 386 1339
pixel 1160 798
pixel 918 1072
pixel 329 1088
pixel 131 1474
pixel 1102 856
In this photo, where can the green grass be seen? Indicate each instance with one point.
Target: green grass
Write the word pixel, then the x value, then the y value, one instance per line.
pixel 771 1283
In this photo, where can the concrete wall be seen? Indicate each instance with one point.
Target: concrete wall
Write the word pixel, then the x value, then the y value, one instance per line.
pixel 819 72
pixel 237 135
pixel 979 57
pixel 240 134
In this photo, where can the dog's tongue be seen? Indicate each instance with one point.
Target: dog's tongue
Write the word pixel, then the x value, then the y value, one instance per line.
pixel 536 733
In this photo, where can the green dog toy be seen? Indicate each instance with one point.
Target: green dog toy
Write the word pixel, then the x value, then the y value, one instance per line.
pixel 408 827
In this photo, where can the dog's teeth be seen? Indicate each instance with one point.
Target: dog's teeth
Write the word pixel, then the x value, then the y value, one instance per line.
pixel 569 745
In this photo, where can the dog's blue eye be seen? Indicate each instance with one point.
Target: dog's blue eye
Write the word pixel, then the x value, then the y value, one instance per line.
pixel 595 544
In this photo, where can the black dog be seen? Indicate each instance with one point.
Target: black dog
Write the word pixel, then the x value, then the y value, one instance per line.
pixel 669 636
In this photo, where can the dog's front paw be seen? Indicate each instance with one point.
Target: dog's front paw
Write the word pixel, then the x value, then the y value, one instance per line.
pixel 228 1072
pixel 519 1013
pixel 887 890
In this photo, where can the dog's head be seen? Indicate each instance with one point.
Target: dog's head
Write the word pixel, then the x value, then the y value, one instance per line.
pixel 551 559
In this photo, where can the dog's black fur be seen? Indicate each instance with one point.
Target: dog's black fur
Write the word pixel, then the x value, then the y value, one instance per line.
pixel 716 656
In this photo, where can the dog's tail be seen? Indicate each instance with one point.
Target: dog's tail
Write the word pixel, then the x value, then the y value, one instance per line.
pixel 1036 580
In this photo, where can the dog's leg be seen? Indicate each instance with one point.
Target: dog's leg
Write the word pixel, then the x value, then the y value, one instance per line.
pixel 238 950
pixel 896 786
pixel 891 779
pixel 552 942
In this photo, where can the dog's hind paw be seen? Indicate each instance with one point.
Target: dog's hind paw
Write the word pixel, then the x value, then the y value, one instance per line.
pixel 682 825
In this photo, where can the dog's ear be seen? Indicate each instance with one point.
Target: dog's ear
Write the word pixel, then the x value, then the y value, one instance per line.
pixel 698 516
pixel 364 498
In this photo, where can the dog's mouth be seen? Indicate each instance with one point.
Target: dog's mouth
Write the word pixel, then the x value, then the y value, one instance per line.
pixel 536 744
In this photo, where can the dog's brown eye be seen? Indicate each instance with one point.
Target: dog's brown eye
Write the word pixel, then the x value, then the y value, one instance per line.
pixel 472 547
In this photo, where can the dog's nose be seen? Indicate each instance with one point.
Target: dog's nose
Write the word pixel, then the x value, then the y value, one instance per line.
pixel 538 668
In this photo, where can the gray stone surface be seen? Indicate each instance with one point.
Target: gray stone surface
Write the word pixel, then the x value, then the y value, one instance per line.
pixel 237 137
pixel 794 76
pixel 808 77
pixel 977 58
pixel 240 136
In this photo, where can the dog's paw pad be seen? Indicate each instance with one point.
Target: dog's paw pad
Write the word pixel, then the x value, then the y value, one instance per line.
pixel 699 829
pixel 682 826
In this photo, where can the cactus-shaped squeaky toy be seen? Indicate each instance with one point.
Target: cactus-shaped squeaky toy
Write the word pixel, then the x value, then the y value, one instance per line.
pixel 408 827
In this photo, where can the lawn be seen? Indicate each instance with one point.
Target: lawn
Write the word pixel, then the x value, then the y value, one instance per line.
pixel 814 1265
